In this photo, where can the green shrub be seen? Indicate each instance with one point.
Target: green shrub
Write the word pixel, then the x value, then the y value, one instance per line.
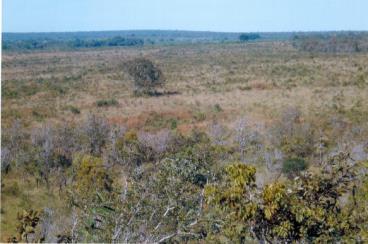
pixel 74 110
pixel 9 93
pixel 245 88
pixel 13 189
pixel 174 124
pixel 38 115
pixel 107 102
pixel 199 116
pixel 157 120
pixel 217 108
pixel 91 177
pixel 293 166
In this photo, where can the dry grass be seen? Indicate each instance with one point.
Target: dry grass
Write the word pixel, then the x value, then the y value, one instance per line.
pixel 254 79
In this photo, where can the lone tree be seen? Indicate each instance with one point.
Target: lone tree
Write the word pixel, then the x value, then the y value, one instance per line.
pixel 146 76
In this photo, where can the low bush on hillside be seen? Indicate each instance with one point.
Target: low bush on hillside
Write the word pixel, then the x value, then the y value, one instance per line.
pixel 107 102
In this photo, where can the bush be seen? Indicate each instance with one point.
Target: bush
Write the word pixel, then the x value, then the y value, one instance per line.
pixel 91 175
pixel 199 116
pixel 146 76
pixel 294 136
pixel 217 108
pixel 294 166
pixel 74 110
pixel 13 189
pixel 107 102
pixel 28 228
pixel 129 150
pixel 96 130
pixel 173 124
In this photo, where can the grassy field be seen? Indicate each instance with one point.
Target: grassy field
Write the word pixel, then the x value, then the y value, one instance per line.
pixel 206 83
pixel 256 80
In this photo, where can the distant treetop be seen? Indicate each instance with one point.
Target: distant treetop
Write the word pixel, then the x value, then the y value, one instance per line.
pixel 249 37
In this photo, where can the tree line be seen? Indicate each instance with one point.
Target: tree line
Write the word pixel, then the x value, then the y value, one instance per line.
pixel 44 44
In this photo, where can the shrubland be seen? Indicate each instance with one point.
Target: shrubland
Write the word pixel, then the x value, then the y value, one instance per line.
pixel 257 142
pixel 122 185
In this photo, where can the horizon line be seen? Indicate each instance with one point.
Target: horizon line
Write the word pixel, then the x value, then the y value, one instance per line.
pixel 179 30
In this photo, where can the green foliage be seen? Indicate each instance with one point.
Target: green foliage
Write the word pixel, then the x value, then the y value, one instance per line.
pixel 217 108
pixel 156 121
pixel 12 189
pixel 19 88
pixel 180 182
pixel 359 207
pixel 231 197
pixel 304 209
pixel 130 150
pixel 96 218
pixel 294 166
pixel 92 193
pixel 173 124
pixel 28 231
pixel 91 176
pixel 16 89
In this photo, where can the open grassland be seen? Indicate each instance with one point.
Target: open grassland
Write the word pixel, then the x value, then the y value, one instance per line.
pixel 256 79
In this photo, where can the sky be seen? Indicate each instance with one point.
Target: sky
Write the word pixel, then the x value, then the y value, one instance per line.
pixel 201 15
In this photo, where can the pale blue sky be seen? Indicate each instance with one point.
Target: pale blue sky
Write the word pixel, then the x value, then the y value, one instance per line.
pixel 206 15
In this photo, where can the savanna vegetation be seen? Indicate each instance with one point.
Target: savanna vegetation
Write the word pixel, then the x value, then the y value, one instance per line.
pixel 261 141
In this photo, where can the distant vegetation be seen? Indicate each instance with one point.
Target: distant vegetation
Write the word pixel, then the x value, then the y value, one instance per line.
pixel 72 40
pixel 332 43
pixel 304 41
pixel 112 42
pixel 117 41
pixel 249 37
